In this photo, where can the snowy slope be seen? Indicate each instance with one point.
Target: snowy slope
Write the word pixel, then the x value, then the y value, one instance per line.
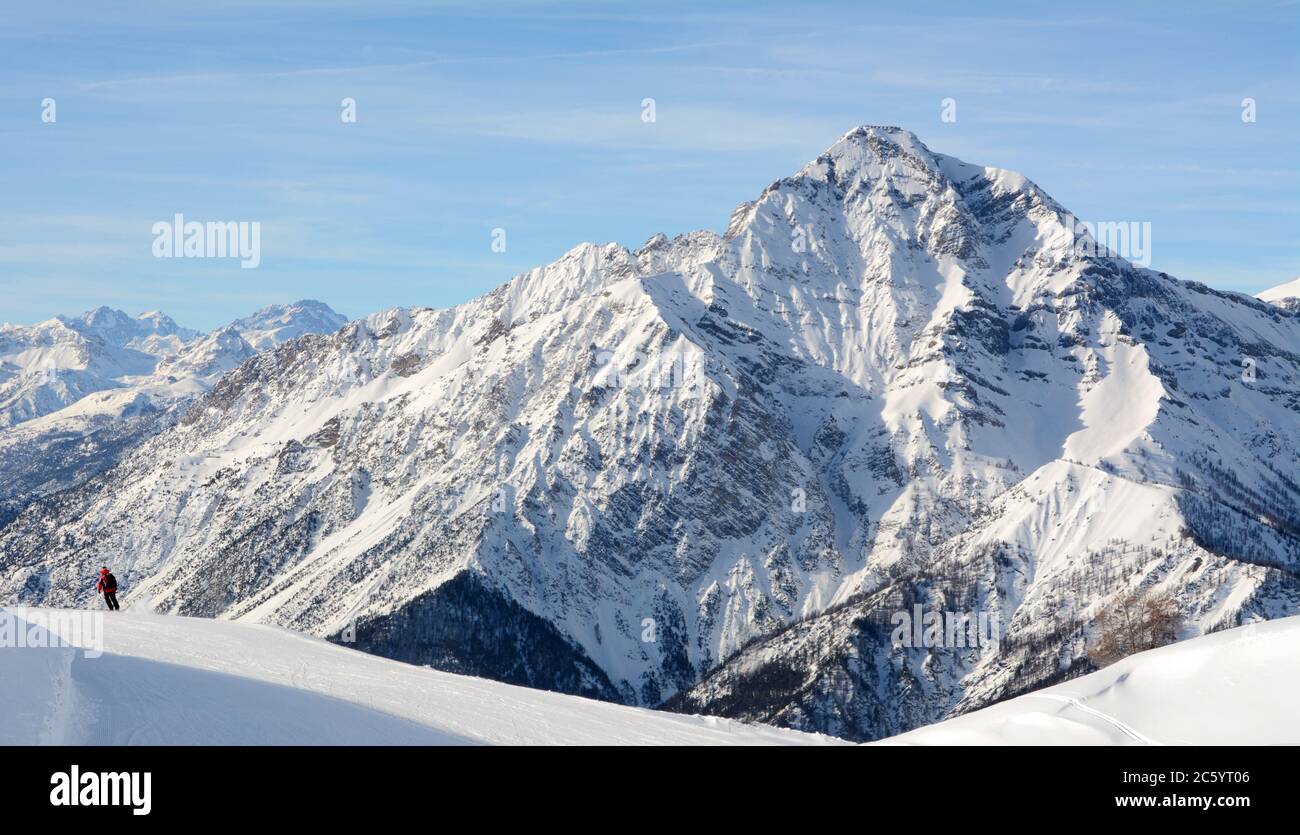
pixel 679 469
pixel 183 681
pixel 1284 295
pixel 1235 687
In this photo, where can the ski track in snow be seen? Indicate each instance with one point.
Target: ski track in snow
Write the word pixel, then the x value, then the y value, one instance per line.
pixel 1128 731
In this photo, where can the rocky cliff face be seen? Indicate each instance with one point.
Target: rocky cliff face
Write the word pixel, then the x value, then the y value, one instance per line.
pixel 713 469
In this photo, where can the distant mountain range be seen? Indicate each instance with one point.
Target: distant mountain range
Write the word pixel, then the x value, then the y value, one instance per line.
pixel 76 392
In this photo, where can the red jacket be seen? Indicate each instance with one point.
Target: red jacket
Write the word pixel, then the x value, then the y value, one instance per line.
pixel 103 586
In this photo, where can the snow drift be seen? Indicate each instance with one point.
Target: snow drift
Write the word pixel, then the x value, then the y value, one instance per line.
pixel 165 680
pixel 1235 687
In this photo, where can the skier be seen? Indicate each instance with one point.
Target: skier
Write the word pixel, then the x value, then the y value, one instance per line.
pixel 107 586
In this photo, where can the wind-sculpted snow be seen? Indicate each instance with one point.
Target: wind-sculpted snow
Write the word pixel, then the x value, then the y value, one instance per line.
pixel 710 470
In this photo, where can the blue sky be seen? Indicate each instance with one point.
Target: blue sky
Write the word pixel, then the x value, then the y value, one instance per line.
pixel 527 116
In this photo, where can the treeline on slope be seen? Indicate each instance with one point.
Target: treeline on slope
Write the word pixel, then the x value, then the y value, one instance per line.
pixel 1223 515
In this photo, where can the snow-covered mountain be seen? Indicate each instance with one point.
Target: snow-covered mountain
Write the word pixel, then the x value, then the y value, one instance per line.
pixel 75 393
pixel 711 469
pixel 48 366
pixel 1284 295
pixel 1235 687
pixel 53 364
pixel 278 323
pixel 141 679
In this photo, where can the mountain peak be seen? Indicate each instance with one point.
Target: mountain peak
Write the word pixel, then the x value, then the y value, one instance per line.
pixel 156 318
pixel 292 308
pixel 656 241
pixel 106 317
pixel 278 323
pixel 871 153
pixel 880 143
pixel 886 151
pixel 893 131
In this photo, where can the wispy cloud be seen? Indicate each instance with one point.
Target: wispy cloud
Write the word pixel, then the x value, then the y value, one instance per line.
pixel 527 116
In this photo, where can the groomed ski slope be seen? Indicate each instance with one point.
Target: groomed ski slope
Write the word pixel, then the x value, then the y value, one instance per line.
pixel 1233 687
pixel 167 680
